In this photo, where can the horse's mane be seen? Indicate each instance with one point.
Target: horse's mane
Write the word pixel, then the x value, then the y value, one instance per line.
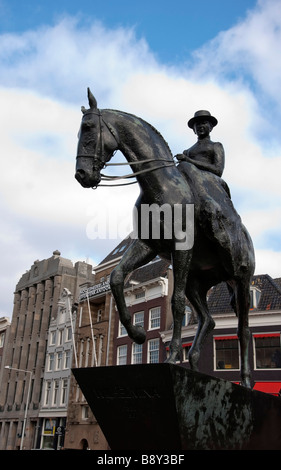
pixel 145 122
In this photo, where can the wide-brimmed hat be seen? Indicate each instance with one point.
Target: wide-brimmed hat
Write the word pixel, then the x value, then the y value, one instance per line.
pixel 199 115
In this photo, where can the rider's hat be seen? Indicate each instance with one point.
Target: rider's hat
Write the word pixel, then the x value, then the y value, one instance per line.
pixel 199 115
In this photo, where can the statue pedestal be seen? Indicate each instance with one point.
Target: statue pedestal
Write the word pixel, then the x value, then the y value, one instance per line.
pixel 168 407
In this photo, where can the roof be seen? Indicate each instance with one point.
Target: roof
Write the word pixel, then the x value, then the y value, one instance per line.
pixel 118 251
pixel 270 299
pixel 156 268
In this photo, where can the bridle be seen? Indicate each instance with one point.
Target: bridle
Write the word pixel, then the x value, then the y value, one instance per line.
pixel 100 163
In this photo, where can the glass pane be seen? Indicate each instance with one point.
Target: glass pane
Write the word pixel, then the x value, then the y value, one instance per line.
pixel 227 354
pixel 268 354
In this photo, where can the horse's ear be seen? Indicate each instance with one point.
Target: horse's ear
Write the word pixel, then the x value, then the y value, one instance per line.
pixel 92 100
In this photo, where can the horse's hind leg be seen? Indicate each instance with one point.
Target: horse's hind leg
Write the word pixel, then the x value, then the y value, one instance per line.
pixel 196 293
pixel 138 254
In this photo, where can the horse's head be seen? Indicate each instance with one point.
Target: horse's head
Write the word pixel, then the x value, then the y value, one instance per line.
pixel 97 143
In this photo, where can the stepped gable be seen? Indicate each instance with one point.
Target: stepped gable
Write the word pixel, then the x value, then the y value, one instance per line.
pixel 270 299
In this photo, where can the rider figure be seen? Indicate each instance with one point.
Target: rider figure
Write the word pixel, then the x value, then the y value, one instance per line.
pixel 205 154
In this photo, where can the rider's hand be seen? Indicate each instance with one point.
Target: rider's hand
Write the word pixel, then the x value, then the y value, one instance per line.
pixel 180 157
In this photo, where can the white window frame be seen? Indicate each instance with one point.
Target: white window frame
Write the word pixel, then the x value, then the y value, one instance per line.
pixel 48 388
pixel 135 322
pixel 154 311
pixel 122 356
pixel 122 330
pixel 137 353
pixel 152 349
pixel 56 388
pixel 51 362
pixel 59 360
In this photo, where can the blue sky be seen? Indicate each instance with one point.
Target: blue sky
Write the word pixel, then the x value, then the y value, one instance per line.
pixel 157 59
pixel 172 29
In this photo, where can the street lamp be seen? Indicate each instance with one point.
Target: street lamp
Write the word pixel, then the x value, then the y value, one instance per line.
pixel 27 401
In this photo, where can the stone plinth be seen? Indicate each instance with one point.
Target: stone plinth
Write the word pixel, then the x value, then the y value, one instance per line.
pixel 168 407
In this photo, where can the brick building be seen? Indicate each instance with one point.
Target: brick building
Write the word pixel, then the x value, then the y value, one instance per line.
pixel 35 306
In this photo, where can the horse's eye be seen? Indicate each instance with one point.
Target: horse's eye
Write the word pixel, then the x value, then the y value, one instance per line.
pixel 88 124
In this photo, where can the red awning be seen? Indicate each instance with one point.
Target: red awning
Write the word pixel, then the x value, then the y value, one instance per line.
pixel 266 335
pixel 219 338
pixel 268 387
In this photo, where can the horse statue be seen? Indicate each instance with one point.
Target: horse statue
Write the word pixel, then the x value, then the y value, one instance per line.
pixel 212 251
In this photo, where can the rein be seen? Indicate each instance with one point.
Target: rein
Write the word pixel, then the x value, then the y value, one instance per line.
pixel 128 176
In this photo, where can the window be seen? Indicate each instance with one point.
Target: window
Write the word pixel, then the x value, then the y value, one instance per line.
pixel 137 353
pixel 186 317
pixel 185 351
pixel 99 315
pixel 60 337
pixel 139 295
pixel 56 391
pixel 139 318
pixel 68 334
pixel 227 353
pixel 85 412
pixel 2 337
pixel 66 359
pixel 267 351
pixel 153 351
pixel 122 355
pixel 154 318
pixel 122 330
pixel 64 391
pixel 51 362
pixel 59 360
pixel 47 392
pixel 53 337
pixel 255 295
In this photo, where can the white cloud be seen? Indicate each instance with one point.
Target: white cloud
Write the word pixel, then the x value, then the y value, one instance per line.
pixel 43 80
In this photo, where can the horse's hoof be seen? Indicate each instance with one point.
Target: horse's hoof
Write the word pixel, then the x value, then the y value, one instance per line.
pixel 246 382
pixel 193 358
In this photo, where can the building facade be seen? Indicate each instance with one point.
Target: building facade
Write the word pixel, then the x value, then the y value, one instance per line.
pixel 220 355
pixel 4 336
pixel 35 306
pixel 94 337
pixel 56 380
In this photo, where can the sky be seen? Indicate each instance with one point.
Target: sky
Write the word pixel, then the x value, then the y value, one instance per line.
pixel 160 60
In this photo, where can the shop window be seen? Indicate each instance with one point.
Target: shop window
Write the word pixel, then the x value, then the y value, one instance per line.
pixel 226 353
pixel 267 351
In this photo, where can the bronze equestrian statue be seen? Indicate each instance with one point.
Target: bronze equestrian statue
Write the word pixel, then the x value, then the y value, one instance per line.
pixel 221 250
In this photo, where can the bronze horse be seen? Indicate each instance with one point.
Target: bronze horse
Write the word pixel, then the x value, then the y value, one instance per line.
pixel 222 248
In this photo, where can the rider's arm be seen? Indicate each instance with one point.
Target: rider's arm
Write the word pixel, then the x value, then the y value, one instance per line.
pixel 216 167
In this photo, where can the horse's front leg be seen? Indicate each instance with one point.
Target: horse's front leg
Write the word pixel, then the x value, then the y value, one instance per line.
pixel 181 262
pixel 138 254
